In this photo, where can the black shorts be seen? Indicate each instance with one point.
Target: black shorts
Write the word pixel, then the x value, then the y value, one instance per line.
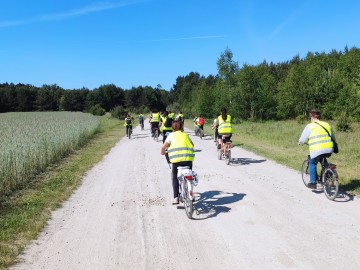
pixel 225 139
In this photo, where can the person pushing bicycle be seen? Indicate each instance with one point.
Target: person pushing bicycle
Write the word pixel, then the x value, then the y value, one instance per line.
pixel 319 136
pixel 180 150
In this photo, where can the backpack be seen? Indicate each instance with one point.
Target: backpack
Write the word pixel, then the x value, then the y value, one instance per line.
pixel 128 120
pixel 168 122
pixel 201 121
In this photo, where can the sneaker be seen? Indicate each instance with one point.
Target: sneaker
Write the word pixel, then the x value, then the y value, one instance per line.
pixel 175 200
pixel 311 185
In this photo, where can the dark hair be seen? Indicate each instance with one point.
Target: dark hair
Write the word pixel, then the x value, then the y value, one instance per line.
pixel 176 125
pixel 315 113
pixel 166 113
pixel 223 114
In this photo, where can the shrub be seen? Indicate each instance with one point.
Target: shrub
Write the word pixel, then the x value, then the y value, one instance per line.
pixel 343 122
pixel 301 119
pixel 97 110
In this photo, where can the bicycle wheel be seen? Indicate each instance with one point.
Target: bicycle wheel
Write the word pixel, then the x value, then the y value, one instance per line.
pixel 305 173
pixel 129 133
pixel 228 157
pixel 331 183
pixel 201 134
pixel 219 154
pixel 188 203
pixel 156 136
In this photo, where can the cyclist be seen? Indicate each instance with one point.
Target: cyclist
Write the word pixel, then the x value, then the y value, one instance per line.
pixel 196 124
pixel 180 149
pixel 128 123
pixel 166 122
pixel 320 143
pixel 141 120
pixel 154 121
pixel 224 127
pixel 200 122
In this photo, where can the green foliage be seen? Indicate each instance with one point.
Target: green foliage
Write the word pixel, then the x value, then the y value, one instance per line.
pixel 301 119
pixel 343 122
pixel 118 112
pixel 97 110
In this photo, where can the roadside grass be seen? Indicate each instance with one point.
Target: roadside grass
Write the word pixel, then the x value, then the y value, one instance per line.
pixel 277 140
pixel 24 213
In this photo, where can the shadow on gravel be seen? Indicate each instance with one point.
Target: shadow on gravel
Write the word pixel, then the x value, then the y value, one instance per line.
pixel 342 196
pixel 245 161
pixel 140 136
pixel 212 203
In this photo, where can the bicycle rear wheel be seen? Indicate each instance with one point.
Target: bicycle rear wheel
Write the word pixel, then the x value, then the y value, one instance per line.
pixel 305 173
pixel 331 183
pixel 188 203
pixel 228 157
pixel 219 154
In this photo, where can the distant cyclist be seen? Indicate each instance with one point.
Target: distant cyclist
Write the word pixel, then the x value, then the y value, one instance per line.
pixel 128 123
pixel 166 124
pixel 141 121
pixel 154 121
pixel 180 149
pixel 224 127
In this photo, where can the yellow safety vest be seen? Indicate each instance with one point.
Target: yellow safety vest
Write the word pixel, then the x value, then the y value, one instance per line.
pixel 163 124
pixel 180 148
pixel 225 127
pixel 319 139
pixel 155 117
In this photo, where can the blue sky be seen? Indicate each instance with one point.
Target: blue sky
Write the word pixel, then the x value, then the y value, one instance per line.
pixel 85 43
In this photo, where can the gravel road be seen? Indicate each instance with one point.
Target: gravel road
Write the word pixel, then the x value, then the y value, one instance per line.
pixel 252 214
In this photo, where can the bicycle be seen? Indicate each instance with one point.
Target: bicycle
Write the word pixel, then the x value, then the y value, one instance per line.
pixel 199 132
pixel 328 179
pixel 156 134
pixel 128 131
pixel 225 149
pixel 142 125
pixel 187 180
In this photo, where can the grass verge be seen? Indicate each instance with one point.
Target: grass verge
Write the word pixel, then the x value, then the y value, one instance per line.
pixel 24 213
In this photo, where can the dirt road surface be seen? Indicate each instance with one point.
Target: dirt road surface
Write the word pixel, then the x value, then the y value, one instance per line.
pixel 251 214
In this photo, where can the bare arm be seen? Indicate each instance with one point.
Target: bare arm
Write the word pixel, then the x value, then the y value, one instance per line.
pixel 164 147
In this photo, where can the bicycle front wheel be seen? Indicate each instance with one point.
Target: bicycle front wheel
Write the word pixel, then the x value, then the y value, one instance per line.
pixel 305 173
pixel 331 183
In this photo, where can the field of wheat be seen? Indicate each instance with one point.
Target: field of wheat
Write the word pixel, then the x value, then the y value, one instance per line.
pixel 30 142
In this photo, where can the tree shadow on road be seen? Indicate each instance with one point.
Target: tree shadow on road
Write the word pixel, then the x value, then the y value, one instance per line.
pixel 212 203
pixel 245 161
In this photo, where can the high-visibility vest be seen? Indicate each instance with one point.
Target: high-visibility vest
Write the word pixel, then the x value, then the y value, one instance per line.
pixel 180 148
pixel 155 117
pixel 225 127
pixel 163 124
pixel 318 138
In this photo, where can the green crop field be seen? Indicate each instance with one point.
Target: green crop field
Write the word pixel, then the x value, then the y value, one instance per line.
pixel 30 142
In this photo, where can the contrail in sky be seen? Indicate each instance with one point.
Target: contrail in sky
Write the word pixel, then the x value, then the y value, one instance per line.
pixel 72 13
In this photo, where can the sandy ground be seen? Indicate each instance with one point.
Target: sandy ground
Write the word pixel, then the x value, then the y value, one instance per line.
pixel 252 214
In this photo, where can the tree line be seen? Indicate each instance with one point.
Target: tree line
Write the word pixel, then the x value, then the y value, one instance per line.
pixel 25 98
pixel 267 91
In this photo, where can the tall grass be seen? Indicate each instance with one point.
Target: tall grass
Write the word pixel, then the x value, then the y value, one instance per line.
pixel 30 142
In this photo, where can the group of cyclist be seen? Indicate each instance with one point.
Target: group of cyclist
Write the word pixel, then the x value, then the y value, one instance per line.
pixel 180 148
